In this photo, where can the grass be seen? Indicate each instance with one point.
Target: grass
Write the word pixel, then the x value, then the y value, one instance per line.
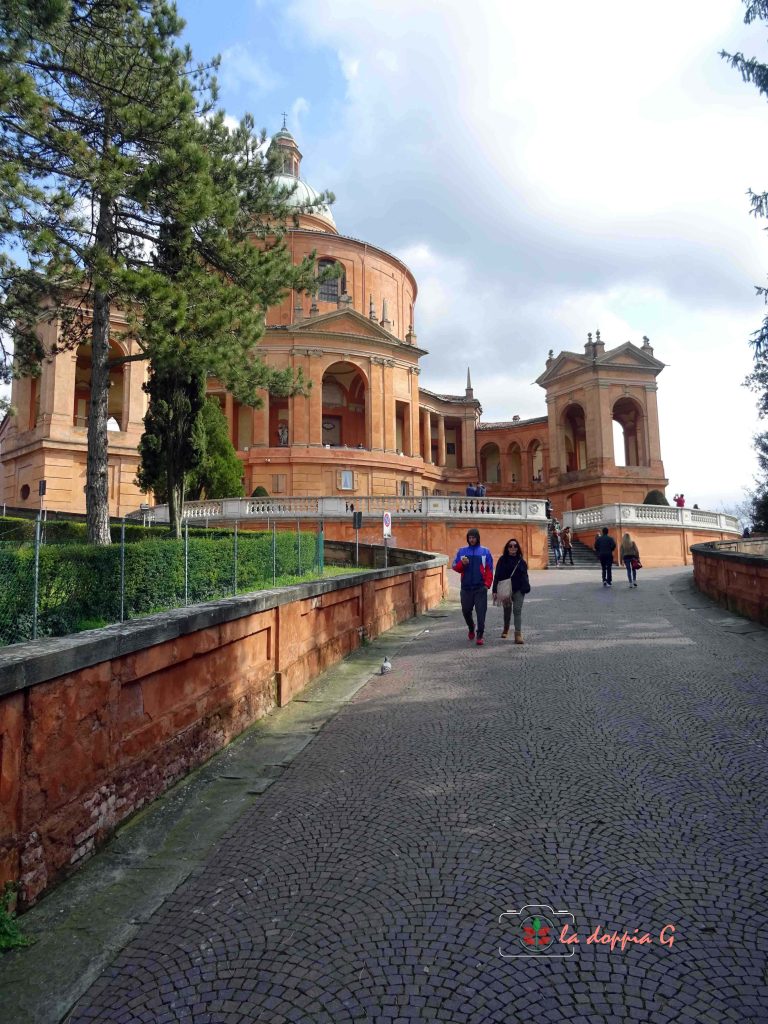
pixel 11 936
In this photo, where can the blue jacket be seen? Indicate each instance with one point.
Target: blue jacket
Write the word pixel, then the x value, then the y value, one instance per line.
pixel 480 558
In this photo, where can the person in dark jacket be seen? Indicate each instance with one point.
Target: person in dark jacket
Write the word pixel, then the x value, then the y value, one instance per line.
pixel 512 566
pixel 475 563
pixel 605 545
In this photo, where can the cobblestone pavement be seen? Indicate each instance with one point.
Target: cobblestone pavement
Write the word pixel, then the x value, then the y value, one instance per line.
pixel 614 767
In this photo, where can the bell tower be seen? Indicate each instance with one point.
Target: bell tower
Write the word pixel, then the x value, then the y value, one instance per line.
pixel 586 394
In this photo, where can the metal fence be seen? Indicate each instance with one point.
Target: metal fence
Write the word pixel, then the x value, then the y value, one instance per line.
pixel 53 584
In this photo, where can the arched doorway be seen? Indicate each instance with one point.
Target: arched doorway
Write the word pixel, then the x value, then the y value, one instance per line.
pixel 536 462
pixel 490 464
pixel 344 422
pixel 82 396
pixel 575 438
pixel 628 447
pixel 515 464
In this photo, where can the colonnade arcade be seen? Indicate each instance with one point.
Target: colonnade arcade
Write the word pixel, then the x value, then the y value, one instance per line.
pixel 520 465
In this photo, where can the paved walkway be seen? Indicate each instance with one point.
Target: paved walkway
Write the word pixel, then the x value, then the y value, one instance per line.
pixel 614 769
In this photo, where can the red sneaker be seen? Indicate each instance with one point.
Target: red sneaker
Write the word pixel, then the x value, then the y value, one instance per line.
pixel 471 635
pixel 479 641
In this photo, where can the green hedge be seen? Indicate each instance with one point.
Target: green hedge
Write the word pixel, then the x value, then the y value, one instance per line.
pixel 62 531
pixel 79 585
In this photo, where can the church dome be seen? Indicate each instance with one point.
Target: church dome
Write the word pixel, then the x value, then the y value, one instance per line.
pixel 305 195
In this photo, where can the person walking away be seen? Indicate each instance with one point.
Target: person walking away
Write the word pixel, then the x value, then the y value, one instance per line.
pixel 510 585
pixel 605 545
pixel 567 543
pixel 555 540
pixel 475 563
pixel 629 556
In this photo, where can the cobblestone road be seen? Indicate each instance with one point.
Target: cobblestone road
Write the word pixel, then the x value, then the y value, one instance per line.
pixel 614 768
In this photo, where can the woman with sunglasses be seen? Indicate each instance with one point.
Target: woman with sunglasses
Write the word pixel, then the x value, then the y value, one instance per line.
pixel 513 567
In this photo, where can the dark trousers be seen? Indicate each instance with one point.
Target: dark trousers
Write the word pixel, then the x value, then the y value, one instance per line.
pixel 606 564
pixel 567 553
pixel 476 600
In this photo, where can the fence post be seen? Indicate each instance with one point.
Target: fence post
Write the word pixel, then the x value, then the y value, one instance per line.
pixel 234 585
pixel 186 562
pixel 122 570
pixel 37 577
pixel 298 536
pixel 274 553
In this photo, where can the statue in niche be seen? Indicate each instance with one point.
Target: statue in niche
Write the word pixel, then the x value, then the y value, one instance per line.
pixel 282 435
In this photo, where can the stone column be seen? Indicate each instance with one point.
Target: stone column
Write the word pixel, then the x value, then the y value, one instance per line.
pixel 426 435
pixel 415 448
pixel 315 401
pixel 468 446
pixel 652 441
pixel 388 403
pixel 441 440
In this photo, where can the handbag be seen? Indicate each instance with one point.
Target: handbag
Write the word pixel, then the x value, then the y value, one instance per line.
pixel 636 564
pixel 504 591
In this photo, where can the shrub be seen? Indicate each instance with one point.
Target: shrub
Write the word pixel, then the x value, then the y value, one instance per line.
pixel 260 492
pixel 655 498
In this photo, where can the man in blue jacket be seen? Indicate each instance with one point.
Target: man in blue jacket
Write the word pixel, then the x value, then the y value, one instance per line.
pixel 605 545
pixel 475 563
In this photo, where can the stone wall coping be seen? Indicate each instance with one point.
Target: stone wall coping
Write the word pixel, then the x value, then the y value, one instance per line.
pixel 37 661
pixel 713 549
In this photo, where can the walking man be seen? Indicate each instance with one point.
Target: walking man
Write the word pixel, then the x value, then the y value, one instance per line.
pixel 567 543
pixel 475 563
pixel 605 545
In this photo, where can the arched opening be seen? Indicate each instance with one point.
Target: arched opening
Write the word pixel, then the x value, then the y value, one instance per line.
pixel 536 462
pixel 575 501
pixel 515 464
pixel 628 448
pixel 82 398
pixel 331 291
pixel 490 464
pixel 344 422
pixel 575 437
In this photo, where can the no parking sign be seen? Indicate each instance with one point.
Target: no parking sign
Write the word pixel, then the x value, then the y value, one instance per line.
pixel 387 524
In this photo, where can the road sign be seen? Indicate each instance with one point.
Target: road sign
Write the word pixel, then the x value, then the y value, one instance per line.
pixel 387 524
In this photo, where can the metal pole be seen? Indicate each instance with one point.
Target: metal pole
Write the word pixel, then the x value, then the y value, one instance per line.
pixel 122 570
pixel 298 535
pixel 274 554
pixel 37 577
pixel 386 553
pixel 186 563
pixel 234 588
pixel 357 547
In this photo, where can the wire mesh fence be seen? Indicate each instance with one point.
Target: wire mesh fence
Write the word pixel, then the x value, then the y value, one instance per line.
pixel 53 584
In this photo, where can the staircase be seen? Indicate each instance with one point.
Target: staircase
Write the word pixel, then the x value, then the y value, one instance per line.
pixel 584 557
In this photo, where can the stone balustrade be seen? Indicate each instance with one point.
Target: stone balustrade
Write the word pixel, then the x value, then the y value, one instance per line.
pixel 622 515
pixel 452 507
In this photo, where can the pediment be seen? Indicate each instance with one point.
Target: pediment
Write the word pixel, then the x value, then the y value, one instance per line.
pixel 565 362
pixel 630 355
pixel 344 321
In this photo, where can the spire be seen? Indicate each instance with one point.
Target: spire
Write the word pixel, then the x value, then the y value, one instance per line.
pixel 469 393
pixel 386 323
pixel 599 347
pixel 371 310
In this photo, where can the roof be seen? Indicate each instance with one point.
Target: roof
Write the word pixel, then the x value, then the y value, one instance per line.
pixel 502 424
pixel 454 399
pixel 305 195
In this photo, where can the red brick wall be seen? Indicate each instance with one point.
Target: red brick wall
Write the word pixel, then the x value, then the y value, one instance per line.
pixel 81 752
pixel 736 580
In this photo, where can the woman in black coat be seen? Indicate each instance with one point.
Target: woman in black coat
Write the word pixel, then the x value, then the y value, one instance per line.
pixel 512 566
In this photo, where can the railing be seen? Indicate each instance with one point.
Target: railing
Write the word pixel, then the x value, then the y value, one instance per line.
pixel 650 515
pixel 399 507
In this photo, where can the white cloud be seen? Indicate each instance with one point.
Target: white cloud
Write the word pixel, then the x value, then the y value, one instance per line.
pixel 242 70
pixel 549 169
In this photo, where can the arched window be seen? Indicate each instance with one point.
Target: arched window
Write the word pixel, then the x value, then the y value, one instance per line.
pixel 330 291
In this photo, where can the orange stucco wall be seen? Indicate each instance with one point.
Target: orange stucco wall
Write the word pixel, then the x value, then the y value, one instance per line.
pixel 81 751
pixel 659 547
pixel 736 579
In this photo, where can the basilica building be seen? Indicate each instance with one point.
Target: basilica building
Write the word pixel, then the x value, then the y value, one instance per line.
pixel 367 426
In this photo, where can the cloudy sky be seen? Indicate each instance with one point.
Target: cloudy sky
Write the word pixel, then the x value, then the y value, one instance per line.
pixel 545 170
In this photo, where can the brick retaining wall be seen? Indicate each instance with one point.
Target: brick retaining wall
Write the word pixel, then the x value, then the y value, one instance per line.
pixel 96 725
pixel 735 574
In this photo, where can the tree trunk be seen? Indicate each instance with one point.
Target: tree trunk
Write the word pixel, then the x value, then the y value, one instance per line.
pixel 97 473
pixel 175 502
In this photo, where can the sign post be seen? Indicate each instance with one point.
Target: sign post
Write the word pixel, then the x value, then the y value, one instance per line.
pixel 386 524
pixel 357 523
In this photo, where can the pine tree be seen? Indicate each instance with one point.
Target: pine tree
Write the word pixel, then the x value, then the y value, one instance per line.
pixel 99 91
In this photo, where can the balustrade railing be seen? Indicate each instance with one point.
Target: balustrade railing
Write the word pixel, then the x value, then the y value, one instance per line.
pixel 650 515
pixel 372 507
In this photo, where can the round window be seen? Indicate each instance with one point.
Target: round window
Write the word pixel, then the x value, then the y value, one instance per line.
pixel 25 492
